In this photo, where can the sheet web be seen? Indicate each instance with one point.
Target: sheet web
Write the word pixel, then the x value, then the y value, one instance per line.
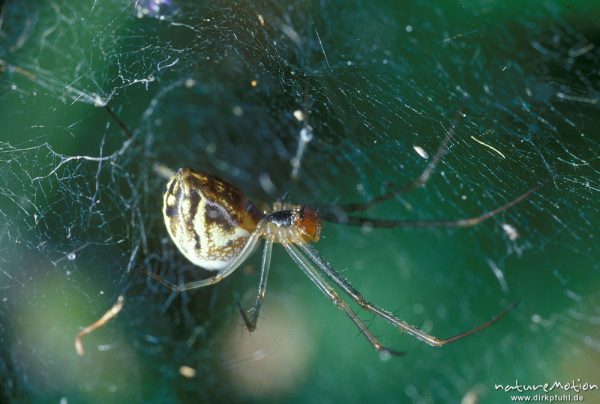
pixel 220 87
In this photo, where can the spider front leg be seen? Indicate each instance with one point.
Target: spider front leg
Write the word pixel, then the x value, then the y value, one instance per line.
pixel 429 339
pixel 262 287
pixel 464 222
pixel 328 291
pixel 340 211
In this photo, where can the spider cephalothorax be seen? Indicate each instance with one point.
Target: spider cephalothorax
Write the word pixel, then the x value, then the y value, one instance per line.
pixel 292 222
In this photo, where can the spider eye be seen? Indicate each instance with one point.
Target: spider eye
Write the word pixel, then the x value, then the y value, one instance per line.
pixel 309 224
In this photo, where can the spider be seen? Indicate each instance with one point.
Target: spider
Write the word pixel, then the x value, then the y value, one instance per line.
pixel 216 227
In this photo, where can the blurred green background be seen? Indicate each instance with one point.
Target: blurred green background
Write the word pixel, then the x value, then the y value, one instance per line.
pixel 214 86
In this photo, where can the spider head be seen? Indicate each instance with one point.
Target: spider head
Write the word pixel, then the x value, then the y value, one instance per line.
pixel 308 224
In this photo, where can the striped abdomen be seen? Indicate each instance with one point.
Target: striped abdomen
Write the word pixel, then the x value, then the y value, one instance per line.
pixel 209 220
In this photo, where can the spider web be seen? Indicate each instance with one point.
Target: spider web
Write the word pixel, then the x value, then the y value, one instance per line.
pixel 226 88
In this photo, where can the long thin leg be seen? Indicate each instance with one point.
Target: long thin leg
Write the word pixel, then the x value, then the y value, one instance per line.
pixel 343 283
pixel 328 291
pixel 402 189
pixel 467 222
pixel 262 287
pixel 214 279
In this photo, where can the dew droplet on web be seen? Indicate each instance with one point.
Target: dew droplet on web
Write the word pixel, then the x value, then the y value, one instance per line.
pixel 510 231
pixel 421 152
pixel 187 371
pixel 238 111
pixel 299 115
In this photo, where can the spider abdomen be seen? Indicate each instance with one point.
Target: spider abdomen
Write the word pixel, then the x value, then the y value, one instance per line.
pixel 209 220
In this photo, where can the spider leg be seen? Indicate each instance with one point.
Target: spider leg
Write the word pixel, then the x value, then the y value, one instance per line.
pixel 328 291
pixel 262 287
pixel 343 283
pixel 185 286
pixel 342 209
pixel 250 244
pixel 466 222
